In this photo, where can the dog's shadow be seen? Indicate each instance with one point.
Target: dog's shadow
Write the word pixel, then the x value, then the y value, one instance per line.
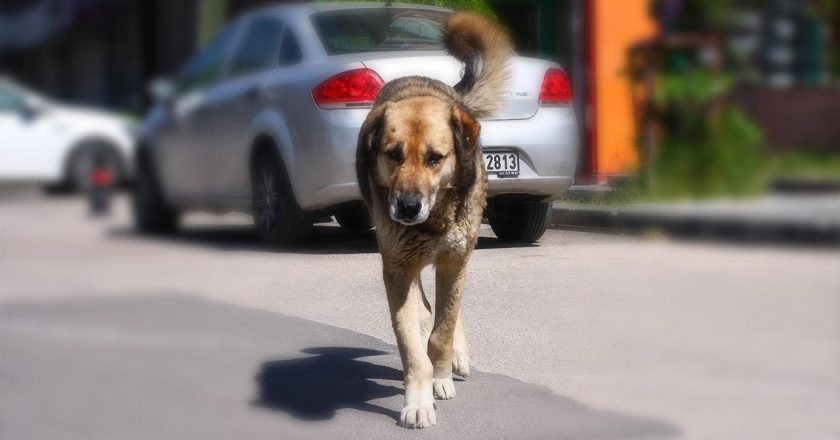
pixel 314 388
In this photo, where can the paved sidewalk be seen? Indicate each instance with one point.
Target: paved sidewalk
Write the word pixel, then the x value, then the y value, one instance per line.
pixel 813 219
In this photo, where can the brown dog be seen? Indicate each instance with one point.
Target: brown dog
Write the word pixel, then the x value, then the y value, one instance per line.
pixel 420 171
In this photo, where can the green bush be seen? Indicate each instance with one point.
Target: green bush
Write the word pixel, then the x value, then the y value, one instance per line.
pixel 707 148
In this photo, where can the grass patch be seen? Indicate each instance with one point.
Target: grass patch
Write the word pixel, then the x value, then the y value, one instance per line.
pixel 799 165
pixel 803 165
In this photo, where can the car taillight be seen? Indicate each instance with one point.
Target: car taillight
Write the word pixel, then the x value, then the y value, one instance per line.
pixel 556 89
pixel 354 88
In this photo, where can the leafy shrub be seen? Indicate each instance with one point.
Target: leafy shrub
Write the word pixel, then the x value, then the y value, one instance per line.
pixel 707 148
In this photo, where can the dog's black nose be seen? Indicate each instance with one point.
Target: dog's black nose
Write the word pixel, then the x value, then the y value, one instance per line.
pixel 408 207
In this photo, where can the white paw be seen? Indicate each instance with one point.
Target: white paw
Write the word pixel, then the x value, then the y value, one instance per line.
pixel 419 409
pixel 417 417
pixel 444 388
pixel 461 363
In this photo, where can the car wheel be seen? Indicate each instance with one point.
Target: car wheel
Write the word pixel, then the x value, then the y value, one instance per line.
pixel 520 222
pixel 278 218
pixel 355 218
pixel 151 212
pixel 82 162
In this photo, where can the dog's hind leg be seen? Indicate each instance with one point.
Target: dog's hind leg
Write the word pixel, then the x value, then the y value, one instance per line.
pixel 460 353
pixel 450 276
pixel 403 300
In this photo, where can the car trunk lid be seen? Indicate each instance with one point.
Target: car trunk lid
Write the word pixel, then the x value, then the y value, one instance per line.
pixel 521 100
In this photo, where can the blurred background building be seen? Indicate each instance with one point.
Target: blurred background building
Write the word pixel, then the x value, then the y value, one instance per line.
pixel 781 54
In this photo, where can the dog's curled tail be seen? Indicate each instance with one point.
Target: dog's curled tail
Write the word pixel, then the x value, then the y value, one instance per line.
pixel 485 49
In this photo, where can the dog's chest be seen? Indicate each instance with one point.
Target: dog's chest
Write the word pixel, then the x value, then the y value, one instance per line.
pixel 426 248
pixel 455 240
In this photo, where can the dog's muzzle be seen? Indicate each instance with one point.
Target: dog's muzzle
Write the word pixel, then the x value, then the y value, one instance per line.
pixel 408 210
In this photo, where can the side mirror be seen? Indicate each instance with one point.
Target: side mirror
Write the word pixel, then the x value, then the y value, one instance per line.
pixel 162 90
pixel 30 111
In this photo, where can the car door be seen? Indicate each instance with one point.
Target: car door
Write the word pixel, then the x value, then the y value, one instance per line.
pixel 186 137
pixel 237 101
pixel 27 149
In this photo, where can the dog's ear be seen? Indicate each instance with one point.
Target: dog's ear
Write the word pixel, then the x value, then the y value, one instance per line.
pixel 465 133
pixel 367 145
pixel 465 130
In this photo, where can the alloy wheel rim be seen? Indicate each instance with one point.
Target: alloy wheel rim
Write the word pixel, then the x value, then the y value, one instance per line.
pixel 266 200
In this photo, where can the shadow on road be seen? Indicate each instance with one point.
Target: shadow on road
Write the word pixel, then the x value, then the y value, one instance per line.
pixel 326 240
pixel 314 388
pixel 188 366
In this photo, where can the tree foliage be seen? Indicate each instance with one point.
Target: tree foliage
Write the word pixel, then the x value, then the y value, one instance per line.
pixel 482 6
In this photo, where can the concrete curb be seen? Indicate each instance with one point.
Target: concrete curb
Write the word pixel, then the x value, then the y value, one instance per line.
pixel 804 185
pixel 810 220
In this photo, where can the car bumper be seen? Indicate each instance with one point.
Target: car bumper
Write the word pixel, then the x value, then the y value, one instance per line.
pixel 548 147
pixel 547 144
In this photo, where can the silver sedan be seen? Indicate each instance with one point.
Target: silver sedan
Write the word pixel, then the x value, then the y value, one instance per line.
pixel 265 118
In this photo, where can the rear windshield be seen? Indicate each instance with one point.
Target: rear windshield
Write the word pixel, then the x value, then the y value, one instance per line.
pixel 379 29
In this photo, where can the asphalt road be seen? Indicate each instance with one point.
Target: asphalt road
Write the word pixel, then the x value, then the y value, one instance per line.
pixel 105 334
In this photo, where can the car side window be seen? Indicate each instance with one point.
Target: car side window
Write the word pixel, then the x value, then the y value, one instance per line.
pixel 258 47
pixel 290 53
pixel 205 67
pixel 9 100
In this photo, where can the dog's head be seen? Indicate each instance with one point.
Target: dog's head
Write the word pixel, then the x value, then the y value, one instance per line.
pixel 415 147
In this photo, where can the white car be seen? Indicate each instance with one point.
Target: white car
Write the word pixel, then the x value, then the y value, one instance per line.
pixel 55 144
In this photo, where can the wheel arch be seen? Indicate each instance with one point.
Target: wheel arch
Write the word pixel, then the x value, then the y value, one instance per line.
pixel 146 154
pixel 262 144
pixel 143 154
pixel 276 141
pixel 270 126
pixel 112 145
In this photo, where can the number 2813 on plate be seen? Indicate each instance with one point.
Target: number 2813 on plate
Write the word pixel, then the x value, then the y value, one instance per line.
pixel 502 163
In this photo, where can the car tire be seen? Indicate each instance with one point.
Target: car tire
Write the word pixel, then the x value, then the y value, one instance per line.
pixel 278 218
pixel 80 165
pixel 355 218
pixel 522 222
pixel 152 214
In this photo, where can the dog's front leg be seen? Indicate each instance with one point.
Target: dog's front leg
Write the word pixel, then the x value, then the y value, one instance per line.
pixel 404 301
pixel 450 277
pixel 426 321
pixel 460 352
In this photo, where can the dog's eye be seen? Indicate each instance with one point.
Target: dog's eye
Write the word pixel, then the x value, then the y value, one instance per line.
pixel 433 159
pixel 394 154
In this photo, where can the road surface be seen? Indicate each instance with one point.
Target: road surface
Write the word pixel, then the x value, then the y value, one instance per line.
pixel 105 334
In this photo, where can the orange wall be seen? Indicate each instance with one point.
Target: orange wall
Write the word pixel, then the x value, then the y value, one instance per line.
pixel 617 24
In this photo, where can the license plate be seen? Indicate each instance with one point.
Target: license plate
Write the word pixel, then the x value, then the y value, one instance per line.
pixel 502 164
